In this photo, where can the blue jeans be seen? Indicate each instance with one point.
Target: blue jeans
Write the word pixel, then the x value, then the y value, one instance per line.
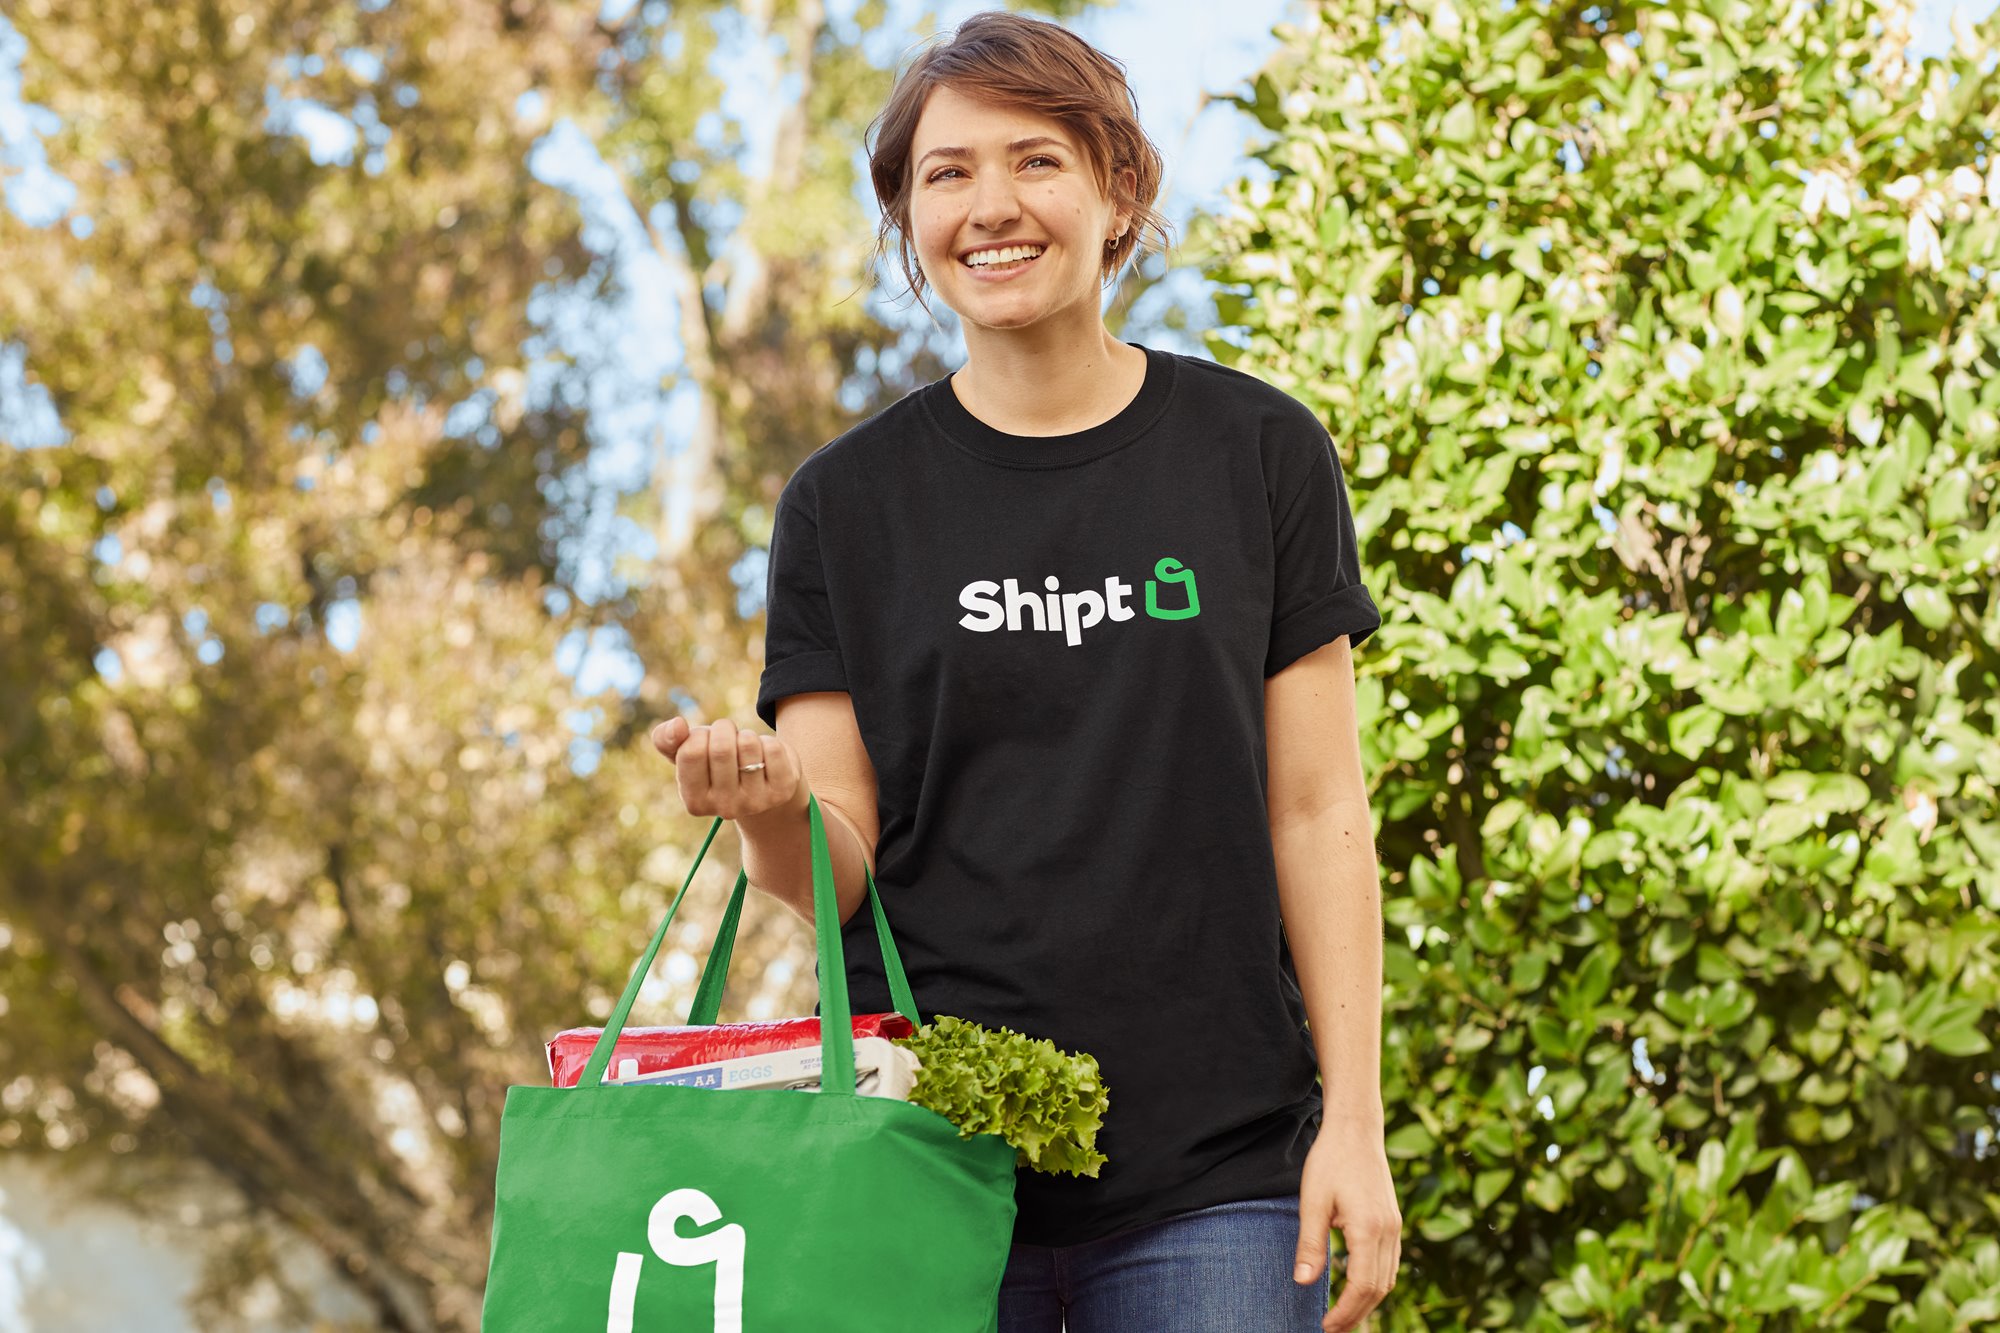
pixel 1226 1269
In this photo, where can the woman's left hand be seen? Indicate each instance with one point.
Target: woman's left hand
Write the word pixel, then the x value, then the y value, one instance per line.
pixel 1346 1184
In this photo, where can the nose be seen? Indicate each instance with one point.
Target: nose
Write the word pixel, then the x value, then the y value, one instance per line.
pixel 994 202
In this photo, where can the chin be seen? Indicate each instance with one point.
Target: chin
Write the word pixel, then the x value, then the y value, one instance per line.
pixel 1012 313
pixel 1005 319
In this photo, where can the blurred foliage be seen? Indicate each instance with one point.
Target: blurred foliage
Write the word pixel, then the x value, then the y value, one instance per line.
pixel 1661 344
pixel 295 914
pixel 1699 751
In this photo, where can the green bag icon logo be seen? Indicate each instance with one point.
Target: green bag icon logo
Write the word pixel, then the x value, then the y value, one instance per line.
pixel 1170 570
pixel 722 1247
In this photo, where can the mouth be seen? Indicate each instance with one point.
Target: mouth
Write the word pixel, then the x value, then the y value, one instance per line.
pixel 1001 269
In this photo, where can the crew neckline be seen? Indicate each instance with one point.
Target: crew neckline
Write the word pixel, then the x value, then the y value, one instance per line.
pixel 1124 426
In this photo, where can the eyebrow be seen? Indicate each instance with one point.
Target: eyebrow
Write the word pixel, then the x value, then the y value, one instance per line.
pixel 1032 141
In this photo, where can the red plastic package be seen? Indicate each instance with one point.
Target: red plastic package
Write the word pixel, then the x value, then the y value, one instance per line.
pixel 673 1048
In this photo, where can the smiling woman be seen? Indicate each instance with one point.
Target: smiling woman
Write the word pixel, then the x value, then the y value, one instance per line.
pixel 1131 822
pixel 940 135
pixel 1017 219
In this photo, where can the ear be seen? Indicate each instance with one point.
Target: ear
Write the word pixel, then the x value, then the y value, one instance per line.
pixel 1121 218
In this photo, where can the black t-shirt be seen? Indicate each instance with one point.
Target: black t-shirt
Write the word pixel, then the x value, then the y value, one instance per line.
pixel 1056 648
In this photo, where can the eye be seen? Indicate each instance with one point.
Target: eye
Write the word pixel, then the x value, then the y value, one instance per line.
pixel 943 171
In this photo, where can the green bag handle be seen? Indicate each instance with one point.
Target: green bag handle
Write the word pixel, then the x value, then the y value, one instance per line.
pixel 708 999
pixel 836 1028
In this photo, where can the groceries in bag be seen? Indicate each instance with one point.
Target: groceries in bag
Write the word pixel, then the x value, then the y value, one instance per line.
pixel 660 1048
pixel 882 1069
pixel 748 1210
pixel 1048 1103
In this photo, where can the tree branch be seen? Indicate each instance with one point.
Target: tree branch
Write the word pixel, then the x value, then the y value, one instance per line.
pixel 336 1213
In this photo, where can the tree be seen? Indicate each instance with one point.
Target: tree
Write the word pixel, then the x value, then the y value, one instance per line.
pixel 299 903
pixel 1660 343
pixel 251 353
pixel 768 252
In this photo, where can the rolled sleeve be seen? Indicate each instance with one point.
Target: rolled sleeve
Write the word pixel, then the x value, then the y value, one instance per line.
pixel 801 649
pixel 1317 591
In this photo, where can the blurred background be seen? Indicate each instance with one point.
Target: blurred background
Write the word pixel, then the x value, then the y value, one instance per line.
pixel 393 396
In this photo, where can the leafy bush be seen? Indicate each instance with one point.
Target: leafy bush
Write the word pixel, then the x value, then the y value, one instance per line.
pixel 1660 347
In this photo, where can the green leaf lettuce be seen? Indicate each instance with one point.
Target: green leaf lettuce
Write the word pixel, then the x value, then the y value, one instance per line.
pixel 1049 1104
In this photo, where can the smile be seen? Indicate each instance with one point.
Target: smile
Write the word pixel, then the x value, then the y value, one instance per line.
pixel 1003 269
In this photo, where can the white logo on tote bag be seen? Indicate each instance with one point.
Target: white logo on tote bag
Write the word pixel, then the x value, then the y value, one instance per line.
pixel 722 1247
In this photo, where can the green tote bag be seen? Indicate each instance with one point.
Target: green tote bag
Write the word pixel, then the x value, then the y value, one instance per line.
pixel 659 1208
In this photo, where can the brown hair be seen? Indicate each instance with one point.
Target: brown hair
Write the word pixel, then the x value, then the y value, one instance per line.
pixel 1034 65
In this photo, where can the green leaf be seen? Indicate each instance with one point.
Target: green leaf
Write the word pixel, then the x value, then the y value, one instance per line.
pixel 1551 1036
pixel 1959 402
pixel 1928 604
pixel 1564 1089
pixel 1947 502
pixel 1546 1190
pixel 1047 1103
pixel 1977 1312
pixel 1410 1141
pixel 1390 138
pixel 1669 942
pixel 1730 1005
pixel 1959 1041
pixel 1451 1220
pixel 1458 125
pixel 1489 1185
pixel 1693 730
pixel 1593 979
pixel 1709 1162
pixel 1493 1141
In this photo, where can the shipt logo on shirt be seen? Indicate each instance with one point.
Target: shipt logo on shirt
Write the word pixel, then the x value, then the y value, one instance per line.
pixel 1002 606
pixel 722 1247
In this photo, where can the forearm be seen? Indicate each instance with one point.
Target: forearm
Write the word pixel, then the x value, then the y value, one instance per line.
pixel 1330 897
pixel 777 856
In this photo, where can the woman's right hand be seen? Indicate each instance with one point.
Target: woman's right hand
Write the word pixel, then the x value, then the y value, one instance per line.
pixel 708 764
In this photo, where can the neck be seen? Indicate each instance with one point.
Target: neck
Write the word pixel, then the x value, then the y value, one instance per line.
pixel 1047 379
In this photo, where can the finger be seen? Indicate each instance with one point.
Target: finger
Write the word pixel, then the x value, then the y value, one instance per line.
pixel 1386 1250
pixel 1367 1281
pixel 1315 1234
pixel 691 767
pixel 1348 1312
pixel 670 735
pixel 1337 1316
pixel 1351 1311
pixel 781 767
pixel 723 779
pixel 750 750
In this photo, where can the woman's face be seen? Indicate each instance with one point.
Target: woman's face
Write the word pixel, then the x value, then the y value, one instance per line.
pixel 985 175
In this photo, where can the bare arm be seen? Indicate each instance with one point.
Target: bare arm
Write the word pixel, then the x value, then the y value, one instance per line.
pixel 821 732
pixel 1329 889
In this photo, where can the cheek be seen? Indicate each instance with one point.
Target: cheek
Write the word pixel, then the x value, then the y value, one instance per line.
pixel 931 226
pixel 1077 217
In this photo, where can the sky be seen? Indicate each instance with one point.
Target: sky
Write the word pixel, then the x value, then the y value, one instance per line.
pixel 1205 48
pixel 1173 51
pixel 1173 54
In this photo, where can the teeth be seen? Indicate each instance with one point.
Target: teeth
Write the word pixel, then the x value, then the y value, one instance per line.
pixel 1006 256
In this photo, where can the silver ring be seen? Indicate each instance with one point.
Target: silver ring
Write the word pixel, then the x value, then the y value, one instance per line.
pixel 748 768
